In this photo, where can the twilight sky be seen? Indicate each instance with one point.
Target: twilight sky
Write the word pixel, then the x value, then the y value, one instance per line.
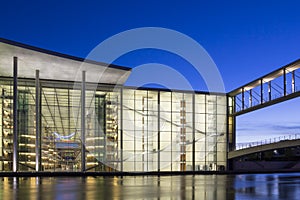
pixel 246 40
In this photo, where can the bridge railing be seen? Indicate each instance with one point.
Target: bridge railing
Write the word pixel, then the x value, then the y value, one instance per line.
pixel 267 141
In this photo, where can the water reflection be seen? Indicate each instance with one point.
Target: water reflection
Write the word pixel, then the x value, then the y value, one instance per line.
pixel 209 187
pixel 267 186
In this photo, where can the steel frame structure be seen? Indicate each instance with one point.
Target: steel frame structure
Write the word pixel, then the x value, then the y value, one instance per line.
pixel 278 86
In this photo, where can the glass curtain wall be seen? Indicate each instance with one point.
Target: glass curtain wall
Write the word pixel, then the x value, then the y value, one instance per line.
pixel 102 130
pixel 26 126
pixel 125 129
pixel 173 131
pixel 60 129
pixel 6 130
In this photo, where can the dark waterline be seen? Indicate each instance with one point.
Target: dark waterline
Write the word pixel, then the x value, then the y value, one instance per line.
pixel 208 187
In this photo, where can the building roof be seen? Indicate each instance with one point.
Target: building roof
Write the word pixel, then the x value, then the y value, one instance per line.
pixel 56 66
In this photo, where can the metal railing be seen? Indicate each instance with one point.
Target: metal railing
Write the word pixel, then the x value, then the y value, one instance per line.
pixel 267 141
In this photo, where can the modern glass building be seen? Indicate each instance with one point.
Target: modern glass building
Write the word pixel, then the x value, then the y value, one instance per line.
pixel 63 113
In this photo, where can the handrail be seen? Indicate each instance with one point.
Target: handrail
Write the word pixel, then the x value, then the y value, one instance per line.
pixel 240 146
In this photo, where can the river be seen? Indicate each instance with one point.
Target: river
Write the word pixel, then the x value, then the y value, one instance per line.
pixel 206 187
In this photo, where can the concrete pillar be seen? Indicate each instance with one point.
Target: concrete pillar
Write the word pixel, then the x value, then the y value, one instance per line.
pixel 15 115
pixel 37 122
pixel 83 160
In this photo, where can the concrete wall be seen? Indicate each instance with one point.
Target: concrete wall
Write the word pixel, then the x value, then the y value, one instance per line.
pixel 55 66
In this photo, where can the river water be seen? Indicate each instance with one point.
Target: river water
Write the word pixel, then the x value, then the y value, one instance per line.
pixel 206 187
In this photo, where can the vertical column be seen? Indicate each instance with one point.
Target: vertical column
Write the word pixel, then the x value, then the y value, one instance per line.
pixel 121 128
pixel 229 111
pixel 293 82
pixel 134 127
pixel 243 98
pixel 269 90
pixel 205 135
pixel 15 115
pixel 171 130
pixel 194 134
pixel 250 98
pixel 234 131
pixel 261 91
pixel 83 164
pixel 183 133
pixel 158 131
pixel 37 122
pixel 135 131
pixel 284 82
pixel 231 130
pixel 234 107
pixel 231 123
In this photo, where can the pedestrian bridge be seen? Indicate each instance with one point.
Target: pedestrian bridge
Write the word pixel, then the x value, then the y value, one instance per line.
pixel 256 147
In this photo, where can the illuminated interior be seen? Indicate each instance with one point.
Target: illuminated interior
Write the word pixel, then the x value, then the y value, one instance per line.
pixel 106 126
pixel 160 129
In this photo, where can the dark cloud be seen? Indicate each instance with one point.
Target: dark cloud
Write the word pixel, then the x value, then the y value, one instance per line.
pixel 286 127
pixel 271 127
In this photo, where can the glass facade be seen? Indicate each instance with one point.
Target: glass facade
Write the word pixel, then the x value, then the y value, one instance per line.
pixel 126 129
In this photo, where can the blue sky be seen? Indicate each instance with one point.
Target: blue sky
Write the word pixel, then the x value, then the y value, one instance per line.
pixel 246 39
pixel 271 122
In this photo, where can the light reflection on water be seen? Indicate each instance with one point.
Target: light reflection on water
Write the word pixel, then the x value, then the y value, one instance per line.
pixel 208 187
